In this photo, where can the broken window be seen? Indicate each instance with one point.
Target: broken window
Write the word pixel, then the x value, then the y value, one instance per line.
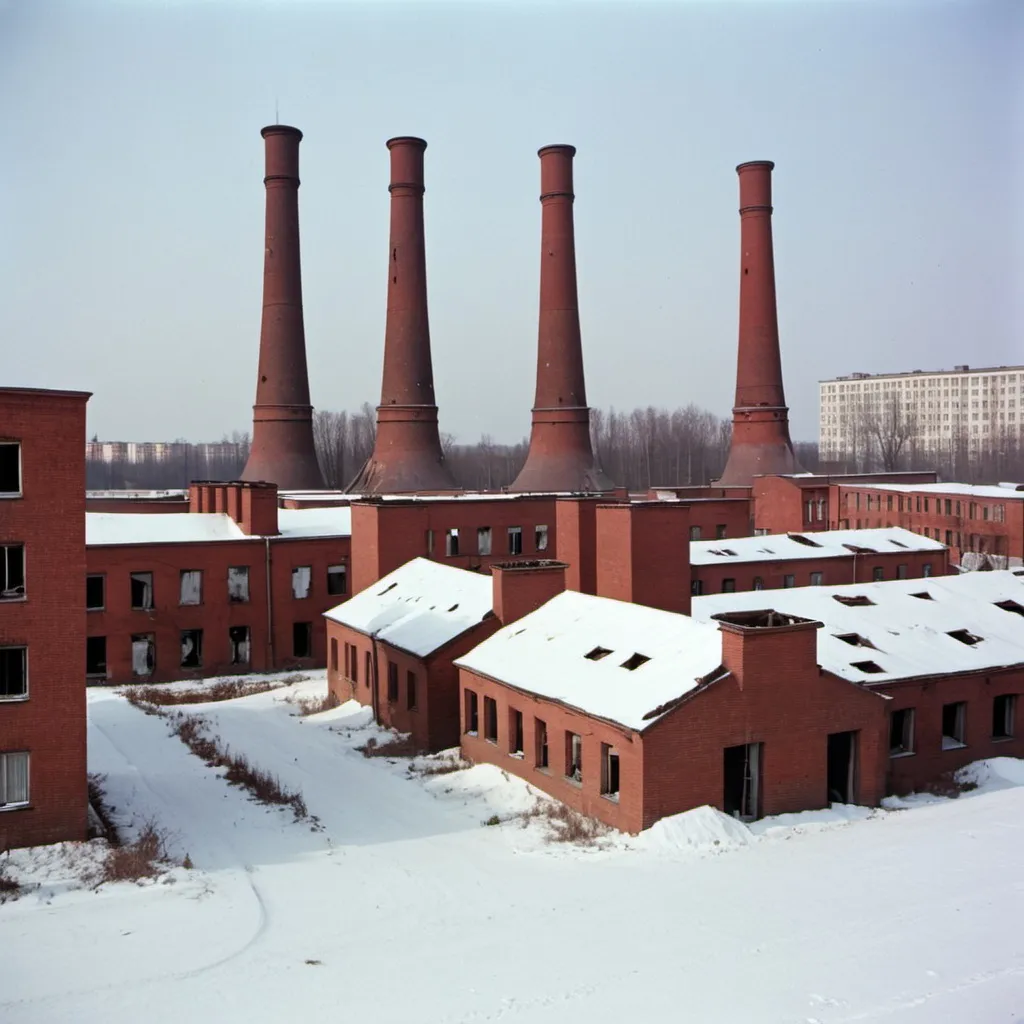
pixel 337 580
pixel 540 538
pixel 515 732
pixel 696 587
pixel 853 600
pixel 334 654
pixel 954 718
pixel 14 779
pixel 609 772
pixel 483 540
pixel 901 732
pixel 143 654
pixel 302 639
pixel 191 648
pixel 302 579
pixel 10 469
pixel 238 584
pixel 855 640
pixel 191 586
pixel 515 540
pixel 789 580
pixel 742 777
pixel 871 667
pixel 451 542
pixel 728 585
pixel 96 656
pixel 238 639
pixel 540 740
pixel 841 768
pixel 1003 708
pixel 574 757
pixel 490 719
pixel 720 530
pixel 12 572
pixel 410 690
pixel 142 591
pixel 634 661
pixel 597 654
pixel 901 572
pixel 1010 606
pixel 471 713
pixel 694 533
pixel 878 573
pixel 926 569
pixel 392 683
pixel 816 579
pixel 964 636
pixel 95 593
pixel 430 542
pixel 758 583
pixel 13 673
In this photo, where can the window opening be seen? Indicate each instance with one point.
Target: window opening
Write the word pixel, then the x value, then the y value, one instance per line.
pixel 95 593
pixel 337 580
pixel 191 648
pixel 483 540
pixel 143 654
pixel 634 661
pixel 302 639
pixel 609 772
pixel 490 719
pixel 472 713
pixel 14 779
pixel 191 588
pixel 410 690
pixel 10 469
pixel 13 673
pixel 954 717
pixel 841 782
pixel 515 732
pixel 901 732
pixel 515 540
pixel 964 636
pixel 728 585
pixel 573 757
pixel 392 683
pixel 540 538
pixel 12 572
pixel 1003 708
pixel 451 542
pixel 871 667
pixel 142 591
pixel 597 653
pixel 238 639
pixel 96 656
pixel 540 729
pixel 238 584
pixel 302 580
pixel 742 772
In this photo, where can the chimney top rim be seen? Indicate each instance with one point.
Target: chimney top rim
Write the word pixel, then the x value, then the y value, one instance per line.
pixel 557 147
pixel 769 164
pixel 406 140
pixel 280 129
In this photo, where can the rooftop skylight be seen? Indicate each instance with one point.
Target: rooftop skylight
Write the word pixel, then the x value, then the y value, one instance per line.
pixel 923 595
pixel 597 653
pixel 964 636
pixel 634 661
pixel 801 539
pixel 871 667
pixel 853 600
pixel 1010 606
pixel 855 640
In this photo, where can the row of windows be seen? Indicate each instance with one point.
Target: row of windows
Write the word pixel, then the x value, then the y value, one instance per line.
pixel 571 752
pixel 903 740
pixel 815 579
pixel 190 586
pixel 921 503
pixel 394 695
pixel 454 544
pixel 720 531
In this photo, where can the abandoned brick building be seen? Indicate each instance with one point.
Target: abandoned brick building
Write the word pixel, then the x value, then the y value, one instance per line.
pixel 42 617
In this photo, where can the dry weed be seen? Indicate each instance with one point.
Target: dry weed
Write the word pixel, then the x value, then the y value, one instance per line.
pixel 400 746
pixel 314 705
pixel 224 689
pixel 564 825
pixel 145 857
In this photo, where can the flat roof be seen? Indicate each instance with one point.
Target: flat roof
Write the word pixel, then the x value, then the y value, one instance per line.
pixel 1006 491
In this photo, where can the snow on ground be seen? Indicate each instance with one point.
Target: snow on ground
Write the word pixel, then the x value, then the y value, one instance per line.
pixel 402 906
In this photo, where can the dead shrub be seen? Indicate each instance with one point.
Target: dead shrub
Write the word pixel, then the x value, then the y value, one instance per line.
pixel 399 746
pixel 314 705
pixel 98 802
pixel 145 857
pixel 224 689
pixel 441 766
pixel 564 825
pixel 948 785
pixel 295 677
pixel 9 888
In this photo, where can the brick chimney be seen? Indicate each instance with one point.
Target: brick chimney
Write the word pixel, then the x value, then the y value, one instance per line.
pixel 576 530
pixel 561 457
pixel 760 419
pixel 643 554
pixel 522 587
pixel 407 456
pixel 252 505
pixel 282 423
pixel 767 644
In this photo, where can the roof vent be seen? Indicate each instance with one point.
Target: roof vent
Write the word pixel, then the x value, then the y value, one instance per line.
pixel 964 636
pixel 858 550
pixel 634 661
pixel 1010 606
pixel 923 595
pixel 801 539
pixel 853 600
pixel 855 640
pixel 898 543
pixel 597 653
pixel 871 667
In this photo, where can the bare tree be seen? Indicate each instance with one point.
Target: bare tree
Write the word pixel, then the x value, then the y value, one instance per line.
pixel 889 429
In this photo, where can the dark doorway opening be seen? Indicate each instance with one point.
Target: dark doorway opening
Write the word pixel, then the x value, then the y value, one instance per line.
pixel 742 771
pixel 842 768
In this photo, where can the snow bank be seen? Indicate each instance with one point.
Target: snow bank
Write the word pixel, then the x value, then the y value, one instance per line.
pixel 488 788
pixel 993 773
pixel 837 814
pixel 703 829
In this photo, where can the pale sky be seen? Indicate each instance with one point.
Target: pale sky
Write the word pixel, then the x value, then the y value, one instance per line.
pixel 131 194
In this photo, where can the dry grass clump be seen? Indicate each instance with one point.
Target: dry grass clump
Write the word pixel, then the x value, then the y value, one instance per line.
pixel 314 705
pixel 440 766
pixel 224 689
pixel 400 746
pixel 145 857
pixel 564 824
pixel 948 785
pixel 98 802
pixel 9 888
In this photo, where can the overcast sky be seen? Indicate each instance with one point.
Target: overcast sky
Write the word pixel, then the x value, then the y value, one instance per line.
pixel 131 194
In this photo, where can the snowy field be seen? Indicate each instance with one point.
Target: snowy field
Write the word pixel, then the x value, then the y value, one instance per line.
pixel 400 905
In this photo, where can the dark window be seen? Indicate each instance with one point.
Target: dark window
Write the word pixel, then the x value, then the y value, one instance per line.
pixel 720 531
pixel 368 669
pixel 728 585
pixel 742 777
pixel 789 580
pixel 238 584
pixel 515 732
pixel 965 637
pixel 302 639
pixel 392 683
pixel 949 538
pixel 191 648
pixel 949 507
pixel 430 542
pixel 334 654
pixel 954 722
pixel 13 673
pixel 451 543
pixel 901 572
pixel 515 540
pixel 696 587
pixel 142 591
pixel 239 642
pixel 353 663
pixel 95 593
pixel 758 583
pixel 573 757
pixel 926 569
pixel 816 579
pixel 410 690
pixel 472 713
pixel 96 656
pixel 1003 708
pixel 490 719
pixel 337 580
pixel 143 654
pixel 609 771
pixel 12 572
pixel 901 732
pixel 10 468
pixel 540 732
pixel 694 533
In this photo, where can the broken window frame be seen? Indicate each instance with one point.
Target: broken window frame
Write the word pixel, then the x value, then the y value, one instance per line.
pixel 729 585
pixel 137 640
pixel 721 529
pixel 1004 707
pixel 15 790
pixel 92 578
pixel 490 720
pixel 610 767
pixel 451 542
pixel 516 737
pixel 302 582
pixel 190 588
pixel 95 669
pixel 14 469
pixel 191 647
pixel 750 795
pixel 926 570
pixel 392 682
pixel 483 540
pixel 758 583
pixel 696 588
pixel 541 755
pixel 540 538
pixel 789 580
pixel 147 599
pixel 410 690
pixel 12 572
pixel 573 758
pixel 515 540
pixel 303 630
pixel 13 673
pixel 905 717
pixel 955 738
pixel 241 645
pixel 817 579
pixel 471 712
pixel 238 584
pixel 334 574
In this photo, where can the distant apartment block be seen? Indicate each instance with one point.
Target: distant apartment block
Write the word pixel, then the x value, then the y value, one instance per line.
pixel 159 451
pixel 967 409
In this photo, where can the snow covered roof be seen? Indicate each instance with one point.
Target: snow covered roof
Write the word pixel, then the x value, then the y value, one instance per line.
pixel 586 652
pixel 892 632
pixel 419 607
pixel 827 544
pixel 136 495
pixel 1003 490
pixel 315 522
pixel 104 528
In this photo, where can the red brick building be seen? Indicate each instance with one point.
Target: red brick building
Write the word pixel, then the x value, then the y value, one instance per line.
pixel 392 647
pixel 42 617
pixel 235 585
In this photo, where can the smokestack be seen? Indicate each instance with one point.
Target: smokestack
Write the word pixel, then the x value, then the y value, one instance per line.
pixel 561 457
pixel 282 449
pixel 407 456
pixel 760 419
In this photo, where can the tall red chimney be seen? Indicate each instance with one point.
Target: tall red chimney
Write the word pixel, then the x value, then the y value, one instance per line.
pixel 561 457
pixel 760 419
pixel 407 454
pixel 282 449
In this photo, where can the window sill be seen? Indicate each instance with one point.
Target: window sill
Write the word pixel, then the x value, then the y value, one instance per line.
pixel 900 753
pixel 473 733
pixel 19 599
pixel 19 699
pixel 11 496
pixel 516 754
pixel 948 744
pixel 610 797
pixel 493 742
pixel 4 808
pixel 95 609
pixel 578 783
pixel 96 675
pixel 1003 739
pixel 543 769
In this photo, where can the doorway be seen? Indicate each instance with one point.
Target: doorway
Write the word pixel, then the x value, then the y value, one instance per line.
pixel 842 768
pixel 742 771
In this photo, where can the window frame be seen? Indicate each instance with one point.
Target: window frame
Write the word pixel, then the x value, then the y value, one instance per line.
pixel 102 576
pixel 24 695
pixel 20 492
pixel 6 805
pixel 339 570
pixel 907 747
pixel 11 594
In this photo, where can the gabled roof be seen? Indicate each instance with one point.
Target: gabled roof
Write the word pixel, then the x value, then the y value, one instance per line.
pixel 827 544
pixel 963 623
pixel 576 648
pixel 419 607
